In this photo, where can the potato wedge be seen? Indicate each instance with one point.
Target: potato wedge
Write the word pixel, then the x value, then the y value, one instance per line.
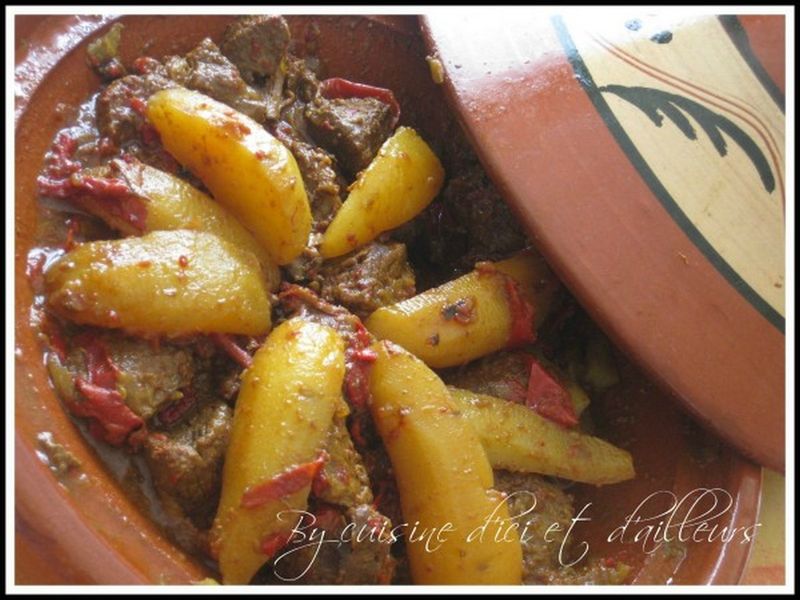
pixel 472 316
pixel 283 413
pixel 443 477
pixel 173 282
pixel 173 203
pixel 518 439
pixel 397 185
pixel 246 169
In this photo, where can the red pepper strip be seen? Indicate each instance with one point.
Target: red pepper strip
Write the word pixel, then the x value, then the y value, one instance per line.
pixel 54 182
pixel 358 357
pixel 115 420
pixel 236 352
pixel 139 106
pixel 101 195
pixel 144 65
pixel 177 409
pixel 549 398
pixel 283 484
pixel 55 338
pixel 336 87
pixel 522 315
pixel 102 371
pixel 274 542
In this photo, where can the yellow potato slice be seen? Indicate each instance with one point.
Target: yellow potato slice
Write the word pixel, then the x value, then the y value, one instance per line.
pixel 283 413
pixel 397 185
pixel 246 169
pixel 518 439
pixel 443 476
pixel 174 282
pixel 471 316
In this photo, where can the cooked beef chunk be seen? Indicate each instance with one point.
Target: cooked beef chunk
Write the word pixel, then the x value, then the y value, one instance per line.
pixel 352 129
pixel 148 377
pixel 342 480
pixel 550 504
pixel 502 375
pixel 120 107
pixel 151 377
pixel 256 45
pixel 206 70
pixel 543 503
pixel 467 223
pixel 301 81
pixel 362 558
pixel 323 183
pixel 377 275
pixel 186 462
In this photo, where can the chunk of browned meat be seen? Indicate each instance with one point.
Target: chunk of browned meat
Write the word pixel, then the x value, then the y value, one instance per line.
pixel 363 557
pixel 206 70
pixel 342 480
pixel 186 462
pixel 149 377
pixel 540 504
pixel 322 182
pixel 352 129
pixel 467 223
pixel 543 504
pixel 502 375
pixel 374 276
pixel 256 45
pixel 121 105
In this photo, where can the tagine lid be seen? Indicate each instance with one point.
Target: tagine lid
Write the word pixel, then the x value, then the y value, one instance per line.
pixel 645 155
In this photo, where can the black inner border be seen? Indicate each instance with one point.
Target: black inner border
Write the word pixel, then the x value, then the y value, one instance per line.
pixel 733 27
pixel 585 78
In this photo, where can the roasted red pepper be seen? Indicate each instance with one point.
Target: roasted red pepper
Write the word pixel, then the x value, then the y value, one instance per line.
pixel 113 422
pixel 274 542
pixel 358 357
pixel 290 481
pixel 549 398
pixel 236 352
pixel 336 87
pixel 176 410
pixel 59 166
pixel 522 315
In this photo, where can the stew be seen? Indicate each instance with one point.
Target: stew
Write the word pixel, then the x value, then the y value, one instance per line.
pixel 323 358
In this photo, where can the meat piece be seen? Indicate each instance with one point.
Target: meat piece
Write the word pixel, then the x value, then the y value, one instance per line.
pixel 206 70
pixel 148 377
pixel 469 222
pixel 352 129
pixel 374 276
pixel 552 505
pixel 362 558
pixel 186 462
pixel 256 45
pixel 121 105
pixel 342 479
pixel 151 377
pixel 323 183
pixel 502 375
pixel 543 504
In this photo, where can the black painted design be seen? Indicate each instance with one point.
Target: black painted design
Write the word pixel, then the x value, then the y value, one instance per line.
pixel 657 104
pixel 733 27
pixel 586 80
pixel 662 37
